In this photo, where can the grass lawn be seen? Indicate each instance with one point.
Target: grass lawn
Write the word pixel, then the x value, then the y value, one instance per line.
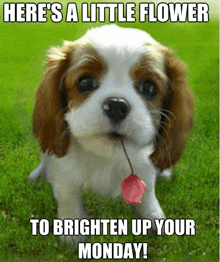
pixel 193 192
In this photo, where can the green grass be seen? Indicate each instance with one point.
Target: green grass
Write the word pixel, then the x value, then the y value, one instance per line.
pixel 192 193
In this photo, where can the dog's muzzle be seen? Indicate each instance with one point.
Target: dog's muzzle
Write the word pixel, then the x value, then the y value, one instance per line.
pixel 116 109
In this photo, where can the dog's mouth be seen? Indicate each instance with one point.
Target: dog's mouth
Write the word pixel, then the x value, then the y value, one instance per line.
pixel 111 137
pixel 115 136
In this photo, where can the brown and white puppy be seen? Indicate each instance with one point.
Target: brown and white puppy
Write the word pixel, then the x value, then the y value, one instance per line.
pixel 113 83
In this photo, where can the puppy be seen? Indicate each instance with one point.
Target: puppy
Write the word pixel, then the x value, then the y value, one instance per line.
pixel 112 84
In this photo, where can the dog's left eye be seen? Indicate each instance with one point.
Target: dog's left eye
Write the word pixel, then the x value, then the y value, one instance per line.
pixel 148 89
pixel 86 83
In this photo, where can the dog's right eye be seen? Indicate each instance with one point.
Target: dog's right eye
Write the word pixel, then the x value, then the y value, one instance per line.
pixel 86 83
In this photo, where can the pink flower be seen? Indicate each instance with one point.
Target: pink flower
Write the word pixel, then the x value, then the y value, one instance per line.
pixel 132 189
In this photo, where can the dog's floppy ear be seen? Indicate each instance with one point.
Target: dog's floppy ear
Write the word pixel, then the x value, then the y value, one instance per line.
pixel 49 125
pixel 178 108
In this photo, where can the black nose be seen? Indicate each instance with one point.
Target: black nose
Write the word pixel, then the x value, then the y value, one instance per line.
pixel 116 109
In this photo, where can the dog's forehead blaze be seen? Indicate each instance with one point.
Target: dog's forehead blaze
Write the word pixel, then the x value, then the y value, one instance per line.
pixel 147 69
pixel 85 61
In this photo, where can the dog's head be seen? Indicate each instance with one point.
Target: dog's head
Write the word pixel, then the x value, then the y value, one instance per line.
pixel 114 83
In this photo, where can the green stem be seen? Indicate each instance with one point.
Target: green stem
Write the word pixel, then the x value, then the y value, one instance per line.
pixel 132 171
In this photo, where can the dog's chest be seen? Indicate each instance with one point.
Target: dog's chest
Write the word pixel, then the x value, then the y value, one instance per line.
pixel 87 171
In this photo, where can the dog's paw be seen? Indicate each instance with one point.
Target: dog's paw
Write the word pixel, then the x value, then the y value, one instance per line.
pixel 39 171
pixel 166 173
pixel 72 240
pixel 156 213
pixel 159 215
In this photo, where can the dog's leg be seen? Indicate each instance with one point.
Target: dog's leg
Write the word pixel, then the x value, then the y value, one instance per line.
pixel 69 207
pixel 149 206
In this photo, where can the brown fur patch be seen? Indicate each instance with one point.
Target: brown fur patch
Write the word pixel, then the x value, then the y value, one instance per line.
pixel 49 125
pixel 144 71
pixel 179 118
pixel 86 61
